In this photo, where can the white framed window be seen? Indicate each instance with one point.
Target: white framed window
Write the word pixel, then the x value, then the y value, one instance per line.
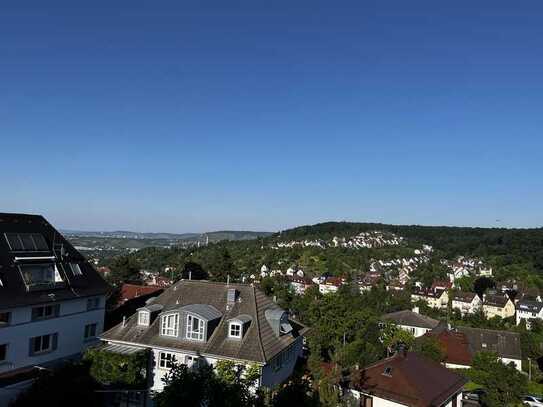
pixel 41 344
pixel 195 328
pixel 3 352
pixel 234 330
pixel 170 325
pixel 143 318
pixel 166 360
pixel 90 331
pixel 45 312
pixel 193 361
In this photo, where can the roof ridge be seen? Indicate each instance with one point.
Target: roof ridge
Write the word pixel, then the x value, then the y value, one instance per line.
pixel 258 327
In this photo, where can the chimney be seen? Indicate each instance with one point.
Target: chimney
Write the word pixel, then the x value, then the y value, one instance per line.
pixel 190 275
pixel 228 279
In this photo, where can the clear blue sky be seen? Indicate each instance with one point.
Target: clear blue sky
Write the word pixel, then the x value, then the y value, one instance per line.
pixel 196 116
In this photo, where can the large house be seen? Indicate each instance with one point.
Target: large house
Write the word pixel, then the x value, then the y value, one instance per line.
pixel 330 285
pixel 52 301
pixel 408 379
pixel 412 321
pixel 496 305
pixel 466 302
pixel 435 298
pixel 202 322
pixel 461 345
pixel 528 311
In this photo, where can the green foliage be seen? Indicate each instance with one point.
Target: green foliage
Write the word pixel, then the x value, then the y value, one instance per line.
pixel 124 268
pixel 295 393
pixel 70 385
pixel 429 347
pixel 224 387
pixel 394 336
pixel 117 369
pixel 503 384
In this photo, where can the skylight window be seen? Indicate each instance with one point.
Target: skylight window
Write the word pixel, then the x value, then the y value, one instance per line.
pixel 235 330
pixel 26 242
pixel 388 371
pixel 40 274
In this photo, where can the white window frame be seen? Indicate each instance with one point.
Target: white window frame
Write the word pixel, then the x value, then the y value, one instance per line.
pixel 166 360
pixel 143 318
pixel 42 350
pixel 170 325
pixel 88 331
pixel 237 326
pixel 190 333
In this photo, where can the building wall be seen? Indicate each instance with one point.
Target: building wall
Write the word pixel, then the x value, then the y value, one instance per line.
pixel 505 312
pixel 272 374
pixel 70 326
pixel 516 362
pixel 415 330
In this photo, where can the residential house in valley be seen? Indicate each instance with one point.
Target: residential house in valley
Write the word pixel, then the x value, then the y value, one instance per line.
pixel 412 321
pixel 434 298
pixel 201 322
pixel 330 285
pixel 498 305
pixel 466 302
pixel 299 284
pixel 408 379
pixel 462 343
pixel 528 311
pixel 52 300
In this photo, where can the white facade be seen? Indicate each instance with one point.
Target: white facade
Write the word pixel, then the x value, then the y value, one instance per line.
pixel 382 402
pixel 465 307
pixel 416 331
pixel 68 328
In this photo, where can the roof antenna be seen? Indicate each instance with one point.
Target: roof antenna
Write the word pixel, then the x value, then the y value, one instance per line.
pixel 190 275
pixel 228 279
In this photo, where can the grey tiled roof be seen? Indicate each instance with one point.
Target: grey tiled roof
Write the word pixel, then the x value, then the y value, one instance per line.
pixel 410 318
pixel 506 344
pixel 529 306
pixel 259 343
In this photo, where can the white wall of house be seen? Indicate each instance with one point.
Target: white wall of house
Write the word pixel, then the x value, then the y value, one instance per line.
pixel 281 366
pixel 516 362
pixel 327 288
pixel 69 325
pixel 415 330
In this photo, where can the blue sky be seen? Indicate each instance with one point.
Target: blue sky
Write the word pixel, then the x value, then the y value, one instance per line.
pixel 196 116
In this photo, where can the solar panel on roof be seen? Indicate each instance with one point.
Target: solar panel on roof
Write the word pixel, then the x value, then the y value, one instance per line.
pixel 28 242
pixel 14 241
pixel 40 242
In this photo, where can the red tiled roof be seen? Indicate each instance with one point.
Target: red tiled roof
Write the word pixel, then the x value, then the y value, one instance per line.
pixel 130 291
pixel 410 379
pixel 456 347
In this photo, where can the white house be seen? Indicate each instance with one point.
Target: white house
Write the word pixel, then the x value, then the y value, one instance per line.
pixel 52 301
pixel 466 302
pixel 412 321
pixel 201 322
pixel 408 379
pixel 528 311
pixel 330 285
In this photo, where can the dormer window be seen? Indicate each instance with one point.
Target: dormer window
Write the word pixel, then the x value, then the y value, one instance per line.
pixel 143 318
pixel 76 269
pixel 195 328
pixel 234 330
pixel 170 325
pixel 36 275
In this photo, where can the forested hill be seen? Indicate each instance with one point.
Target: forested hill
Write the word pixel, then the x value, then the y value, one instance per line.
pixel 513 253
pixel 522 244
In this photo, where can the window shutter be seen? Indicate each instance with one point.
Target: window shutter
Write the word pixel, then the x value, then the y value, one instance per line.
pixel 55 341
pixel 31 347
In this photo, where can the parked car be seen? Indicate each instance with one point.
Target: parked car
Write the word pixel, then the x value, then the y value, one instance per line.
pixel 532 401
